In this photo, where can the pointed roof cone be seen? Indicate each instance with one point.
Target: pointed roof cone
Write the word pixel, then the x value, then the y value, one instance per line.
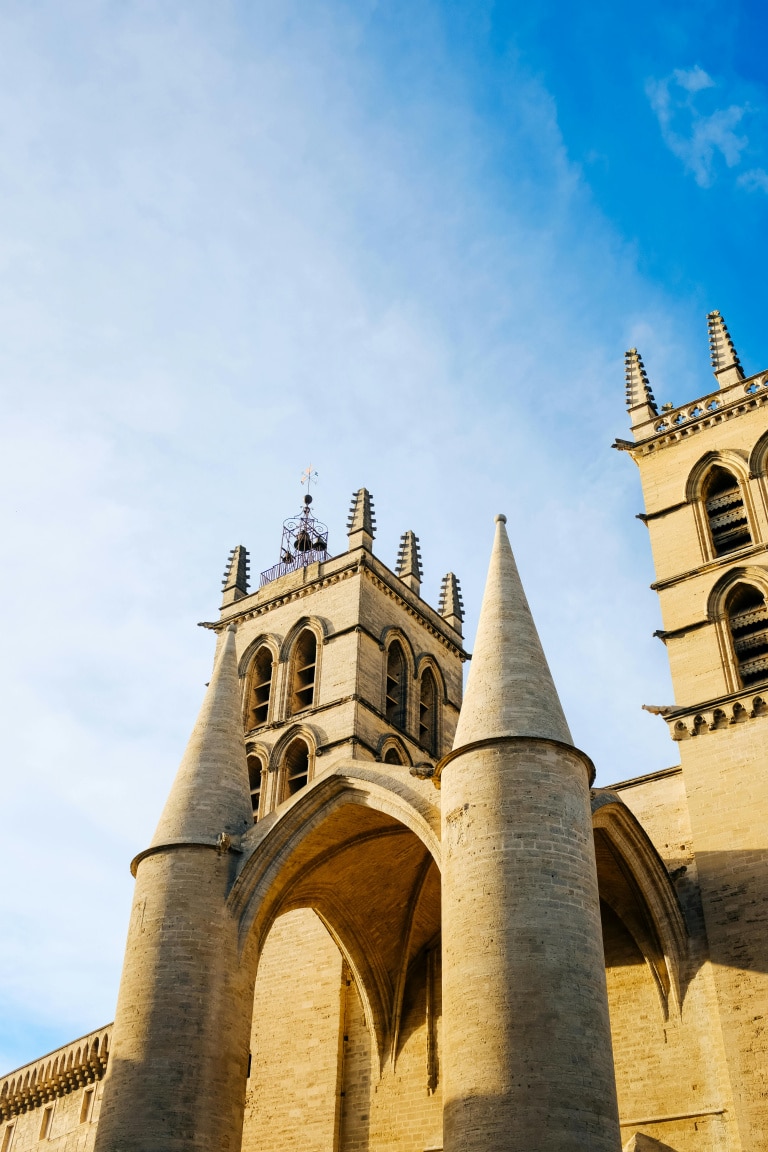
pixel 725 361
pixel 451 602
pixel 361 523
pixel 210 794
pixel 235 582
pixel 409 561
pixel 640 401
pixel 510 691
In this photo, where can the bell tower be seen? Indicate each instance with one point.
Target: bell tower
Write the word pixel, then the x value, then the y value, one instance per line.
pixel 704 473
pixel 340 657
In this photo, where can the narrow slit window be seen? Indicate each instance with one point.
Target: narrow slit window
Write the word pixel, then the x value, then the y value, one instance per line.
pixel 428 713
pixel 396 686
pixel 261 687
pixel 726 513
pixel 255 768
pixel 304 672
pixel 45 1126
pixel 748 619
pixel 296 767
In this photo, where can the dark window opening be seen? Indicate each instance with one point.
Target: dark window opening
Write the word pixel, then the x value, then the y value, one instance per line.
pixel 396 686
pixel 428 713
pixel 255 766
pixel 748 618
pixel 304 667
pixel 392 756
pixel 296 767
pixel 261 687
pixel 726 512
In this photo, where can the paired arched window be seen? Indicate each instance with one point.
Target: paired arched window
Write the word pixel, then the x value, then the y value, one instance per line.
pixel 726 512
pixel 748 620
pixel 303 671
pixel 261 687
pixel 255 768
pixel 295 766
pixel 428 712
pixel 397 686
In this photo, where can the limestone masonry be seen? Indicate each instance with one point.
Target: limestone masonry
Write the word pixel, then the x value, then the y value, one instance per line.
pixel 374 918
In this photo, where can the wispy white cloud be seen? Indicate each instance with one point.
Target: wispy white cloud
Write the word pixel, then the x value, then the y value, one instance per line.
pixel 228 247
pixel 755 180
pixel 698 139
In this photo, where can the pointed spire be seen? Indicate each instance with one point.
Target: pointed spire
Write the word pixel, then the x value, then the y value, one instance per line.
pixel 361 522
pixel 451 602
pixel 409 561
pixel 235 582
pixel 640 401
pixel 210 794
pixel 510 691
pixel 725 361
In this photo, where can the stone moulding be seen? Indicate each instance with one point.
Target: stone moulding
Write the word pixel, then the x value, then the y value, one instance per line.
pixel 82 1062
pixel 738 708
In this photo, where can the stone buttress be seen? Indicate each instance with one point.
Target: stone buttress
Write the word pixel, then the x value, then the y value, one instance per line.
pixel 179 1059
pixel 527 1047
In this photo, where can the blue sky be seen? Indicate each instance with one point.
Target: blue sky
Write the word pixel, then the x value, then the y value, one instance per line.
pixel 407 243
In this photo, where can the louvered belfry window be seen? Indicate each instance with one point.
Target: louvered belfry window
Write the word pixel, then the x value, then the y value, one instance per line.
pixel 428 713
pixel 396 686
pixel 748 619
pixel 296 767
pixel 304 668
pixel 261 687
pixel 726 513
pixel 255 766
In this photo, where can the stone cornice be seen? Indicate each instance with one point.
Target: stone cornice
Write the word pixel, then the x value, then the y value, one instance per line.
pixel 496 741
pixel 719 562
pixel 56 1074
pixel 721 404
pixel 688 721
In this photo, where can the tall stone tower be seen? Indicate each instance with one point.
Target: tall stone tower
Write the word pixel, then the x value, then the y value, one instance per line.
pixel 703 471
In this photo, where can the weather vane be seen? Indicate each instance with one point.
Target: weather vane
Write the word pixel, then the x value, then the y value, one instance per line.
pixel 308 476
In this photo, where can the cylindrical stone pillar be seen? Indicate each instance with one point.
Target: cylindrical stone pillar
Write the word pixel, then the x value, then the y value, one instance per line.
pixel 178 1065
pixel 527 1057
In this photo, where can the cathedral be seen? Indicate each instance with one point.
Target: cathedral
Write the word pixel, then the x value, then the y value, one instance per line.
pixel 378 917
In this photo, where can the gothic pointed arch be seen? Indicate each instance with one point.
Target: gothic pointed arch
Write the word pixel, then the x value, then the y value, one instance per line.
pixel 258 667
pixel 393 750
pixel 301 651
pixel 399 672
pixel 634 883
pixel 738 607
pixel 292 761
pixel 354 849
pixel 718 489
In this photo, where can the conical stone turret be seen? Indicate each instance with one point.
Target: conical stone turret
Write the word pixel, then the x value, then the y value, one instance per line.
pixel 210 794
pixel 409 561
pixel 526 1037
pixel 641 404
pixel 179 1056
pixel 725 361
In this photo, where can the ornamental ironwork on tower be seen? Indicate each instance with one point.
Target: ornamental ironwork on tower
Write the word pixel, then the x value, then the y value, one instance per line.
pixel 305 540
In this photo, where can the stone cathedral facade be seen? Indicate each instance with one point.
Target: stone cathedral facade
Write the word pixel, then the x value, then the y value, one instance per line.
pixel 377 918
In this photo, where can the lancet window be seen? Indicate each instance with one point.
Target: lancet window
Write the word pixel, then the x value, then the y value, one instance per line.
pixel 261 687
pixel 748 620
pixel 428 712
pixel 397 688
pixel 304 671
pixel 296 766
pixel 727 515
pixel 255 769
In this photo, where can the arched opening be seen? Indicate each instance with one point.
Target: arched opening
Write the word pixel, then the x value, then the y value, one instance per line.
pixel 726 513
pixel 392 756
pixel 261 687
pixel 295 767
pixel 396 698
pixel 304 667
pixel 748 621
pixel 255 769
pixel 428 713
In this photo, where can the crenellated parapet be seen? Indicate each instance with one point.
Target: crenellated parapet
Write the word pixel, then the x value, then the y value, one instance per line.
pixel 82 1062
